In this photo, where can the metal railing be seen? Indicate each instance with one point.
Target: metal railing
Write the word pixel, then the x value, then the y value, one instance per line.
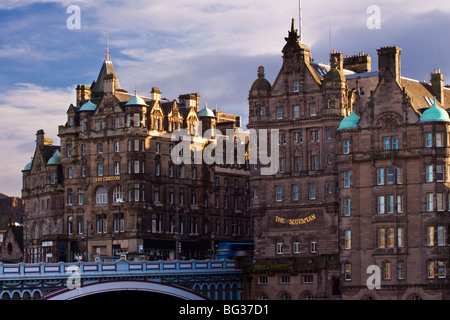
pixel 121 266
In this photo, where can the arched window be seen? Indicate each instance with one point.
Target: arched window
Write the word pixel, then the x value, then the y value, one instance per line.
pixel 308 296
pixel 118 194
pixel 101 196
pixel 285 296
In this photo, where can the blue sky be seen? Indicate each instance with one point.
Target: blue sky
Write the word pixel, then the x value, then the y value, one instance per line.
pixel 182 46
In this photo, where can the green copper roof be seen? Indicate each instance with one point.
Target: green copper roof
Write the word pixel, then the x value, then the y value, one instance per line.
pixel 54 160
pixel 349 122
pixel 88 106
pixel 28 166
pixel 434 113
pixel 206 112
pixel 136 101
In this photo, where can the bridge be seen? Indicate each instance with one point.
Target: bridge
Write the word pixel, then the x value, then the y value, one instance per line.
pixel 179 279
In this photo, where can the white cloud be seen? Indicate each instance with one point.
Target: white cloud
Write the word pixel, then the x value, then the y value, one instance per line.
pixel 27 108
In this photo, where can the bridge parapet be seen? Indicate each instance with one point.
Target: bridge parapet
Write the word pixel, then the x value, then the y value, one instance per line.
pixel 119 266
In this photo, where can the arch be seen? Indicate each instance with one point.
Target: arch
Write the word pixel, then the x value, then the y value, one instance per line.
pixel 37 294
pixel 118 194
pixel 125 285
pixel 101 195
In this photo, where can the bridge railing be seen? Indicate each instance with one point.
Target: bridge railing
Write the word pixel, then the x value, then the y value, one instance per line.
pixel 10 270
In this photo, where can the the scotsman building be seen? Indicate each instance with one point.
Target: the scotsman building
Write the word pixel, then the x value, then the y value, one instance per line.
pixel 363 184
pixel 112 190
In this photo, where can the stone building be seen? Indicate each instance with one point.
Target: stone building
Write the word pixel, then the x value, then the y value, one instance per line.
pixel 296 210
pixel 113 189
pixel 362 185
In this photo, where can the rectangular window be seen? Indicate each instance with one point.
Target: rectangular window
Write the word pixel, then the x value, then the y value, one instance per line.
pixel 387 270
pixel 441 269
pixel 69 196
pixel 439 201
pixel 295 137
pixel 380 204
pixel 399 203
pixel 298 163
pixel 439 172
pixel 313 109
pixel 312 191
pixel 346 146
pixel 430 269
pixel 428 139
pixel 100 169
pixel 80 225
pixel 116 146
pixel 439 139
pixel 390 203
pixel 69 150
pixel 400 238
pixel 347 203
pixel 399 175
pixel 430 202
pixel 391 237
pixel 400 271
pixel 389 175
pixel 429 173
pixel 280 113
pixel 381 238
pixel 441 236
pixel 380 176
pixel 295 192
pixel 99 148
pixel 314 162
pixel 100 125
pixel 156 194
pixel 348 239
pixel 430 236
pixel 348 272
pixel 80 196
pixel 296 86
pixel 346 179
pixel 395 143
pixel 282 168
pixel 279 247
pixel 296 111
pixel 279 193
pixel 386 143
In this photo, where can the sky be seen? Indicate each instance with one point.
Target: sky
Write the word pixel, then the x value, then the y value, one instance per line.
pixel 184 46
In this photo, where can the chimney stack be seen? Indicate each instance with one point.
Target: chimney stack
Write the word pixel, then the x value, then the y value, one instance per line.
pixel 437 84
pixel 336 60
pixel 389 63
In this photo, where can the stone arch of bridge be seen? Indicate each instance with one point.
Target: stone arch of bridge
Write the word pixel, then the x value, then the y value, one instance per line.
pixel 133 286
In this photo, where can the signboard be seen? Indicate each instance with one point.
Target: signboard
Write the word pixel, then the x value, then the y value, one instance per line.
pixel 103 179
pixel 298 221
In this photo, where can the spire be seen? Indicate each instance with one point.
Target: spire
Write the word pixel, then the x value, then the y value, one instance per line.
pixel 107 54
pixel 300 19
